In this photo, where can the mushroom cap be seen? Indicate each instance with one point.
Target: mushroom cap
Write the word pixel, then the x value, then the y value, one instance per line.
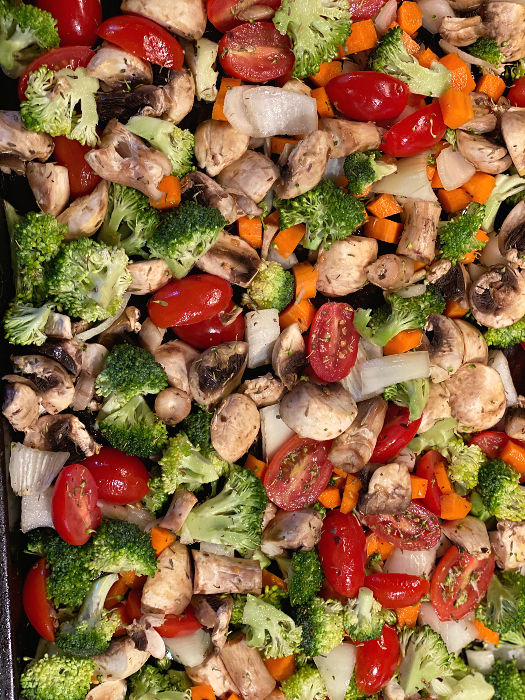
pixel 511 238
pixel 235 427
pixel 477 397
pixel 289 355
pixel 446 347
pixel 217 372
pixel 497 298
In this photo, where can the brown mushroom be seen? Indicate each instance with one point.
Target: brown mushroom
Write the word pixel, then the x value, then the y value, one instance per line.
pixel 305 165
pixel 55 387
pixel 318 412
pixel 497 298
pixel 58 326
pixel 109 690
pixel 476 349
pixel 391 272
pixel 20 406
pixel 113 66
pixel 18 141
pixel 212 672
pixel 477 397
pixel 234 427
pixel 342 267
pixel 418 240
pixel 128 322
pixel 232 259
pixel 352 450
pixel 172 405
pixel 151 336
pixel 446 347
pixel 203 189
pixel 186 18
pixel 513 132
pixel 124 103
pixel 93 361
pixel 217 372
pixel 469 534
pixel 247 669
pixel 214 612
pixel 148 276
pixel 217 145
pixel 511 238
pixel 179 509
pixel 252 175
pixel 389 491
pixel 451 280
pixel 49 183
pixel 180 95
pixel 176 358
pixel 484 120
pixel 169 591
pixel 505 23
pixel 121 660
pixel 515 423
pixel 350 137
pixel 68 353
pixel 436 408
pixel 462 31
pixel 292 530
pixel 217 574
pixel 289 355
pixel 61 433
pixel 485 155
pixel 263 391
pixel 85 215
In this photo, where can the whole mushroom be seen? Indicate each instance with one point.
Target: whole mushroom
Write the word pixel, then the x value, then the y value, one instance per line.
pixel 234 427
pixel 477 397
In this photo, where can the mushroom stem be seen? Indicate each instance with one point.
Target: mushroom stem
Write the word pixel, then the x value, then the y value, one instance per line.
pixel 391 272
pixel 418 240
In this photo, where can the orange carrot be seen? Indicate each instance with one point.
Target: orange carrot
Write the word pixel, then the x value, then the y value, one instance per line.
pixel 426 57
pixel 272 219
pixel 491 85
pixel 161 538
pixel 409 17
pixel 324 106
pixel 269 579
pixel 442 480
pixel 116 593
pixel 277 143
pixel 305 280
pixel 301 312
pixel 456 108
pixel 454 506
pixel 418 265
pixel 351 493
pixel 218 107
pixel 257 466
pixel 383 206
pixel 131 579
pixel 341 181
pixel 202 692
pixel 327 71
pixel 383 230
pixel 362 38
pixel 480 186
pixel 514 454
pixel 402 342
pixel 470 256
pixel 250 230
pixel 453 201
pixel 233 696
pixel 419 486
pixel 407 616
pixel 170 187
pixel 455 310
pixel 282 668
pixel 431 170
pixel 330 497
pixel 461 76
pixel 340 472
pixel 436 181
pixel 287 240
pixel 374 544
pixel 484 633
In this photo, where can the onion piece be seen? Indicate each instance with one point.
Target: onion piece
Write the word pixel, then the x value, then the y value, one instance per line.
pixel 480 659
pixel 376 375
pixel 262 330
pixel 32 471
pixel 36 510
pixel 433 12
pixel 353 382
pixel 334 168
pixel 285 263
pixel 274 431
pixel 468 58
pixel 491 254
pixel 416 563
pixel 386 16
pixel 235 109
pixel 220 549
pixel 190 650
pixel 499 362
pixel 96 330
pixel 410 180
pixel 336 669
pixel 455 633
pixel 414 290
pixel 132 513
pixel 509 652
pixel 453 169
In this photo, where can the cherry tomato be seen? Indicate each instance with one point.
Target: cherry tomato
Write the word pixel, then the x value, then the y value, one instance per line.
pixel 516 93
pixel 179 625
pixel 38 609
pixel 426 469
pixel 490 442
pixel 397 590
pixel 227 14
pixel 333 340
pixel 365 9
pixel 212 332
pixel 415 529
pixel 255 52
pixel 119 478
pixel 459 583
pixel 143 38
pixel 132 607
pixel 367 95
pixel 396 433
pixel 415 133
pixel 77 20
pixel 64 57
pixel 298 473
pixel 342 550
pixel 74 504
pixel 82 179
pixel 376 661
pixel 190 300
pixel 120 610
pixel 116 594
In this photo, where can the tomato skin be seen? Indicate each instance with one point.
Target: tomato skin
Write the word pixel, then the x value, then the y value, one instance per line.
pixel 368 95
pixel 143 38
pixel 342 550
pixel 516 93
pixel 77 20
pixel 255 52
pixel 415 529
pixel 376 661
pixel 396 433
pixel 74 504
pixel 190 300
pixel 119 478
pixel 37 607
pixel 223 13
pixel 179 625
pixel 365 9
pixel 490 442
pixel 333 340
pixel 415 133
pixel 63 57
pixel 397 590
pixel 211 332
pixel 132 605
pixel 298 473
pixel 82 178
pixel 425 468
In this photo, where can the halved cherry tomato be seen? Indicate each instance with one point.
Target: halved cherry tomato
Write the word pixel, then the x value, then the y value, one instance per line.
pixel 365 9
pixel 179 625
pixel 459 583
pixel 82 178
pixel 74 504
pixel 333 340
pixel 490 442
pixel 396 433
pixel 255 52
pixel 143 38
pixel 119 478
pixel 190 300
pixel 120 610
pixel 415 133
pixel 298 473
pixel 415 529
pixel 77 20
pixel 64 57
pixel 342 550
pixel 132 606
pixel 224 14
pixel 425 468
pixel 376 661
pixel 397 590
pixel 38 609
pixel 212 332
pixel 368 95
pixel 516 93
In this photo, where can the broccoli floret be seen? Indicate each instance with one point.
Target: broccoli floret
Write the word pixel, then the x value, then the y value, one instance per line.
pixel 197 427
pixel 269 629
pixel 458 236
pixel 135 429
pixel 184 465
pixel 57 678
pixel 305 684
pixel 506 186
pixel 329 214
pixel 514 71
pixel 273 595
pixel 364 617
pixel 425 657
pixel 305 578
pixel 488 50
pixel 51 100
pixel 503 609
pixel 25 33
pixel 271 288
pixel 232 518
pixel 177 144
pixel 504 337
pixel 186 234
pixel 464 462
pixel 118 546
pixel 363 169
pixel 317 28
pixel 471 686
pixel 413 394
pixel 130 220
pixel 24 324
pixel 499 488
pixel 322 623
pixel 507 681
pixel 451 136
pixel 88 279
pixel 150 680
pixel 391 57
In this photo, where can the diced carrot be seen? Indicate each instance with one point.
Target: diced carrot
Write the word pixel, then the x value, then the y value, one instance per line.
pixel 491 85
pixel 442 479
pixel 301 312
pixel 340 472
pixel 471 255
pixel 453 201
pixel 269 579
pixel 383 229
pixel 131 579
pixel 431 169
pixel 305 280
pixel 514 454
pixel 257 466
pixel 426 57
pixel 272 219
pixel 330 497
pixel 461 76
pixel 409 17
pixel 116 593
pixel 376 545
pixel 436 181
pixel 218 107
pixel 327 71
pixel 161 538
pixel 418 265
pixel 233 696
pixel 480 186
pixel 170 187
pixel 402 342
pixel 250 230
pixel 419 486
pixel 351 493
pixel 287 240
pixel 282 668
pixel 277 143
pixel 362 38
pixel 455 310
pixel 407 616
pixel 202 692
pixel 324 106
pixel 484 633
pixel 383 206
pixel 454 506
pixel 341 181
pixel 456 108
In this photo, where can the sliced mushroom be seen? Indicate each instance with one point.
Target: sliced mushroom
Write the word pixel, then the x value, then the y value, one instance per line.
pixel 352 450
pixel 234 427
pixel 85 215
pixel 232 259
pixel 217 574
pixel 515 423
pixel 350 137
pixel 247 669
pixel 342 267
pixel 294 530
pixel 477 397
pixel 214 612
pixel 146 638
pixel 446 347
pixel 436 408
pixel 55 387
pixel 476 349
pixel 62 433
pixel 505 23
pixel 470 534
pixel 508 544
pixel 127 322
pixel 462 31
pixel 464 5
pixel 391 272
pixel 172 405
pixel 113 66
pixel 170 590
pixel 149 100
pixel 318 412
pixel 389 491
pixel 263 391
pixel 418 240
pixel 180 95
pixel 93 361
pixel 176 358
pixel 217 372
pixel 151 336
pixel 58 326
pixel 511 238
pixel 18 141
pixel 305 165
pixel 68 353
pixel 180 507
pixel 49 183
pixel 289 355
pixel 148 276
pixel 251 175
pixel 121 660
pixel 497 299
pixel 110 690
pixel 21 406
pixel 485 120
pixel 513 132
pixel 451 280
pixel 296 85
pixel 212 672
pixel 217 145
pixel 485 155
pixel 186 18
pixel 202 188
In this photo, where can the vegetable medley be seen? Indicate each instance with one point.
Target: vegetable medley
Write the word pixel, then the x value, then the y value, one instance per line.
pixel 268 346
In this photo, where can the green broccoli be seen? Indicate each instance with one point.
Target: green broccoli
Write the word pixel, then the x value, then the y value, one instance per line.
pixel 488 50
pixel 177 144
pixel 233 517
pixel 25 33
pixel 305 578
pixel 273 595
pixel 436 437
pixel 504 337
pixel 317 28
pixel 135 429
pixel 51 99
pixel 451 136
pixel 498 486
pixel 130 220
pixel 24 324
pixel 118 546
pixel 503 609
pixel 57 678
pixel 472 686
pixel 185 234
pixel 514 71
pixel 329 214
pixel 364 617
pixel 271 288
pixel 363 169
pixel 323 626
pixel 413 394
pixel 149 681
pixel 392 58
pixel 425 657
pixel 507 681
pixel 269 629
pixel 305 684
pixel 197 427
pixel 464 462
pixel 506 186
pixel 458 236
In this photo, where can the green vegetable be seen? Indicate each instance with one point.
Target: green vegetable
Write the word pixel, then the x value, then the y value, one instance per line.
pixel 305 684
pixel 197 427
pixel 363 169
pixel 425 657
pixel 488 50
pixel 458 236
pixel 273 595
pixel 305 578
pixel 149 680
pixel 436 437
pixel 470 687
pixel 57 678
pixel 177 144
pixel 322 623
pixel 271 288
pixel 498 486
pixel 24 324
pixel 464 462
pixel 119 546
pixel 503 609
pixel 364 617
pixel 506 186
pixel 269 629
pixel 413 394
pixel 514 71
pixel 507 681
pixel 504 337
pixel 135 429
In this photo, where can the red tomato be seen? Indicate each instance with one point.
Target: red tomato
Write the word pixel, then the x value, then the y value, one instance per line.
pixel 190 300
pixel 367 95
pixel 77 20
pixel 415 133
pixel 491 442
pixel 516 93
pixel 255 52
pixel 143 38
pixel 376 661
pixel 38 609
pixel 227 14
pixel 332 343
pixel 342 550
pixel 179 625
pixel 120 610
pixel 132 607
pixel 298 473
pixel 119 478
pixel 415 529
pixel 459 583
pixel 82 179
pixel 365 9
pixel 212 332
pixel 396 433
pixel 397 590
pixel 64 57
pixel 116 594
pixel 74 504
pixel 425 469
